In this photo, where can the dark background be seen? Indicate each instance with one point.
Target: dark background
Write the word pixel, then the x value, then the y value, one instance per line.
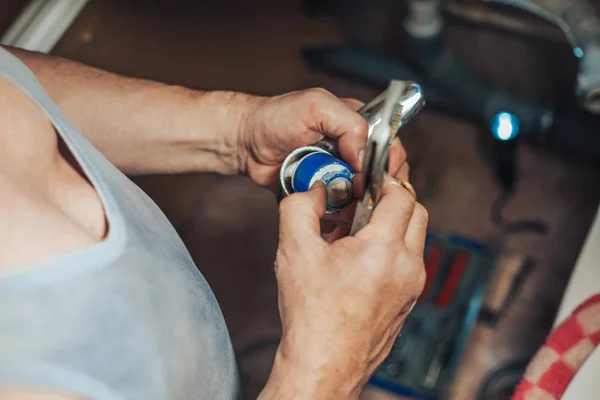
pixel 230 225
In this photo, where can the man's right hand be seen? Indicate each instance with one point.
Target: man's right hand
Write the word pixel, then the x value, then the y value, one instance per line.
pixel 343 301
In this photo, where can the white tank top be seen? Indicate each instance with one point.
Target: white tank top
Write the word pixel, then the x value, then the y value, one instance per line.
pixel 128 318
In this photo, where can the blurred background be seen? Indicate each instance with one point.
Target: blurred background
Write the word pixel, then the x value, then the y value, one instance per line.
pixel 518 200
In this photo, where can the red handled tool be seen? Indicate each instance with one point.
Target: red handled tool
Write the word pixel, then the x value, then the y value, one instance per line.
pixel 452 282
pixel 432 263
pixel 443 301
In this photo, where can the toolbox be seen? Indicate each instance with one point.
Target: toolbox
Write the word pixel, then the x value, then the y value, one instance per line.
pixel 425 356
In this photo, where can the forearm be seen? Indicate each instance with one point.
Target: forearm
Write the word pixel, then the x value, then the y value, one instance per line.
pixel 143 126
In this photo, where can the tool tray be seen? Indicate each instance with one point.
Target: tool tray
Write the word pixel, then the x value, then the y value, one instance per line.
pixel 425 355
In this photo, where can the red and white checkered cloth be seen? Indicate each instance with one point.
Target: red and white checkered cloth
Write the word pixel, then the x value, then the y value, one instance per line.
pixel 565 350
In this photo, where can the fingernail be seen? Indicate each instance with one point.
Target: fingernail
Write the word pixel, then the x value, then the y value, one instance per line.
pixel 394 181
pixel 317 185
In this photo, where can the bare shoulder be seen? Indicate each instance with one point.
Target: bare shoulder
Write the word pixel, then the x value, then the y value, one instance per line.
pixel 37 224
pixel 19 394
pixel 45 205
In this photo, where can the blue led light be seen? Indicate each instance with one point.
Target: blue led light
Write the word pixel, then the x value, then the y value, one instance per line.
pixel 578 52
pixel 505 126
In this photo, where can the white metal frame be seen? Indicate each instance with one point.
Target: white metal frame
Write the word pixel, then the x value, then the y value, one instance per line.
pixel 42 23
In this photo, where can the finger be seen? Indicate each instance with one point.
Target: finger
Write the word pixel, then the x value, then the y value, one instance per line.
pixel 403 173
pixel 392 215
pixel 397 157
pixel 353 103
pixel 334 118
pixel 300 213
pixel 417 230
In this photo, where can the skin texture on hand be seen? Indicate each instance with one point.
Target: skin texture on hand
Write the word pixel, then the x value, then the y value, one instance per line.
pixel 343 302
pixel 276 126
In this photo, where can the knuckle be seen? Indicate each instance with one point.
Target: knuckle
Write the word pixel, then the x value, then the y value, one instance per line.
pixel 411 275
pixel 318 93
pixel 360 125
pixel 422 214
pixel 377 257
pixel 391 265
pixel 289 203
pixel 317 101
pixel 353 103
pixel 420 278
pixel 277 264
pixel 401 197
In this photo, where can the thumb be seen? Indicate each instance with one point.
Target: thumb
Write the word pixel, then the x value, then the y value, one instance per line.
pixel 300 213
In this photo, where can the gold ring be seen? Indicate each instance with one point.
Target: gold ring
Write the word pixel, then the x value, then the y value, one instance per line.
pixel 406 185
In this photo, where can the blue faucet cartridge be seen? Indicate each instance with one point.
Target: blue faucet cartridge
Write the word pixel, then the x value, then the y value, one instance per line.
pixel 336 175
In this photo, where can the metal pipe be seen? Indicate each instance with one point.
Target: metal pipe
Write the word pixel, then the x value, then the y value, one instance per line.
pixel 481 14
pixel 580 23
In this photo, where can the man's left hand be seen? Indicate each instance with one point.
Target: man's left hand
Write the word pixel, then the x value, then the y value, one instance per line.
pixel 276 126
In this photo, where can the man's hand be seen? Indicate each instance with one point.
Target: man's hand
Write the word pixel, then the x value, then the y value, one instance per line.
pixel 275 126
pixel 343 302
